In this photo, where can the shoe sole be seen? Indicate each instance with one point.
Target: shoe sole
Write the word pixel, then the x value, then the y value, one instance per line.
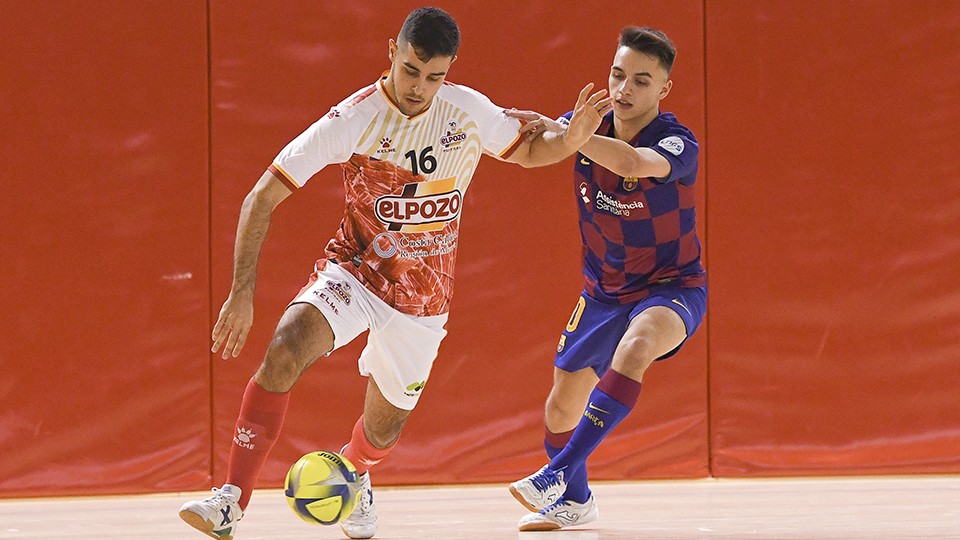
pixel 551 526
pixel 520 498
pixel 359 536
pixel 548 526
pixel 202 525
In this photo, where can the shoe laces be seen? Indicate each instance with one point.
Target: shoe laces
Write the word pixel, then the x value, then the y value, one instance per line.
pixel 560 502
pixel 218 499
pixel 363 505
pixel 546 478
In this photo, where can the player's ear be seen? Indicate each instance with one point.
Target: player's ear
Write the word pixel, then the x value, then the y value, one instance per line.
pixel 392 49
pixel 666 89
pixel 454 60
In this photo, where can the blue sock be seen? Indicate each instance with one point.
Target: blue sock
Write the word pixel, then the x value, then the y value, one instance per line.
pixel 577 488
pixel 610 402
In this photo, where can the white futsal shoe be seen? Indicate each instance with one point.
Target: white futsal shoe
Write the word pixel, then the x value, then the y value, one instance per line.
pixel 362 522
pixel 217 515
pixel 560 514
pixel 540 489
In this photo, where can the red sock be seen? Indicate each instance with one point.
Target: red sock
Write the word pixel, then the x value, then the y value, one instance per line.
pixel 258 426
pixel 361 452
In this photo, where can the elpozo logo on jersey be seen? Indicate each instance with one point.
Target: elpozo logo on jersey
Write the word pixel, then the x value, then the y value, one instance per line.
pixel 421 206
pixel 453 137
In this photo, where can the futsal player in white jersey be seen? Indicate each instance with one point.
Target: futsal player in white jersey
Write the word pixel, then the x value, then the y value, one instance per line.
pixel 409 145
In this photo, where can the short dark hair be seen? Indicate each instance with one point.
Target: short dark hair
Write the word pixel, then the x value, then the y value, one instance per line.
pixel 432 32
pixel 650 41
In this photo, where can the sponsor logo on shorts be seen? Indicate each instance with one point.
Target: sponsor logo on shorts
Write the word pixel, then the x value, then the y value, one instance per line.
pixel 421 206
pixel 563 341
pixel 334 113
pixel 677 302
pixel 341 290
pixel 334 294
pixel 414 388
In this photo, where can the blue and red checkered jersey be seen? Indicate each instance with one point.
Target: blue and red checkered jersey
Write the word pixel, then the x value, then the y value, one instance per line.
pixel 639 233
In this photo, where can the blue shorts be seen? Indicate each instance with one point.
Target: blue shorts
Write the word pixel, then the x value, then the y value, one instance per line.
pixel 595 328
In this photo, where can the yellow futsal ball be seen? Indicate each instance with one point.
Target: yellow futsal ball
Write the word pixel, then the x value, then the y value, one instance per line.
pixel 322 487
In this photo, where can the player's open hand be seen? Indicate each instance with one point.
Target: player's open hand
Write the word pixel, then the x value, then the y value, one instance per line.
pixel 587 115
pixel 535 124
pixel 233 325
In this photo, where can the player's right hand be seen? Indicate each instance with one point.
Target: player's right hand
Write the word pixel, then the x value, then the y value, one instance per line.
pixel 587 115
pixel 233 325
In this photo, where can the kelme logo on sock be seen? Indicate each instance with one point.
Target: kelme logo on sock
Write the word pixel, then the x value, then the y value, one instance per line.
pixel 244 437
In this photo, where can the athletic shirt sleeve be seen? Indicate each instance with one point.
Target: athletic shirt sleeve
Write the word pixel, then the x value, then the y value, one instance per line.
pixel 677 145
pixel 331 139
pixel 499 133
pixel 681 149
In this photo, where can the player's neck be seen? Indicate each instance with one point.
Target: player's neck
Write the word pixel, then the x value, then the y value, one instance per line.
pixel 626 130
pixel 389 89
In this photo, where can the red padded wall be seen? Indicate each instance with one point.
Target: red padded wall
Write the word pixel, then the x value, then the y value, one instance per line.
pixel 834 237
pixel 827 133
pixel 518 267
pixel 104 249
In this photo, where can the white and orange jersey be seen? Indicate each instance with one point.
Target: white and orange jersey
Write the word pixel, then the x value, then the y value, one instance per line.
pixel 405 178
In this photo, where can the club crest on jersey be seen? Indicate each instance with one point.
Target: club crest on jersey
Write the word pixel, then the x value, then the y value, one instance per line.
pixel 630 183
pixel 421 206
pixel 453 137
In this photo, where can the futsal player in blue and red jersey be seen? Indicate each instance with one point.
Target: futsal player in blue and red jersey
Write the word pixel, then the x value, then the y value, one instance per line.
pixel 645 290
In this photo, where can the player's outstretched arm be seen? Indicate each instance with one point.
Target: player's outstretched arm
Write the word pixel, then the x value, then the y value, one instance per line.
pixel 236 315
pixel 610 153
pixel 550 145
pixel 625 160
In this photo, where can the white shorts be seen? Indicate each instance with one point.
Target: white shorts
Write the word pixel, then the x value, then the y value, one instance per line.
pixel 400 349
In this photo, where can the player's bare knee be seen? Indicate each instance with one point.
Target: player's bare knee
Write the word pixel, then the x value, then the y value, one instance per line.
pixel 283 363
pixel 634 355
pixel 638 348
pixel 275 376
pixel 561 411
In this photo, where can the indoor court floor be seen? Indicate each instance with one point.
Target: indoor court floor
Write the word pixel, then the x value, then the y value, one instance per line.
pixel 898 507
